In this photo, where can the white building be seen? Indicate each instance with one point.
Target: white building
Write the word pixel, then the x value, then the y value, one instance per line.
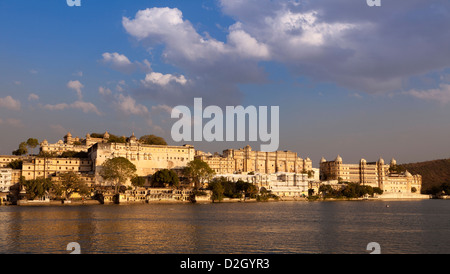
pixel 5 183
pixel 282 184
pixel 5 179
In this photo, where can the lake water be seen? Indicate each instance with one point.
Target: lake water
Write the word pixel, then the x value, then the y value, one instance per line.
pixel 343 227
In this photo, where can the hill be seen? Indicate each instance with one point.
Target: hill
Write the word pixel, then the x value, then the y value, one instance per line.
pixel 434 173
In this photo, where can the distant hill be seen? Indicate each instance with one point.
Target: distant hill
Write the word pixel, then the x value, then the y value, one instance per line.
pixel 434 173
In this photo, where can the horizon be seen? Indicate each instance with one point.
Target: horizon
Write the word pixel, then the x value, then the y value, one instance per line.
pixel 349 79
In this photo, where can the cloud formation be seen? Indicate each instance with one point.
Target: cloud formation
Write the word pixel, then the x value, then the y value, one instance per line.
pixel 86 107
pixel 77 86
pixel 9 103
pixel 121 63
pixel 440 94
pixel 343 42
pixel 207 62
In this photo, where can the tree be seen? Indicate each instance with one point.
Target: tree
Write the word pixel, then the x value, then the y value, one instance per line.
pixel 72 183
pixel 217 189
pixel 37 188
pixel 164 177
pixel 22 150
pixel 32 143
pixel 152 140
pixel 198 172
pixel 377 190
pixel 249 189
pixel 17 164
pixel 118 170
pixel 74 154
pixel 397 169
pixel 138 181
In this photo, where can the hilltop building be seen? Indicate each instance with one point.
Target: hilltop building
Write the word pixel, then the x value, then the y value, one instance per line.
pixel 375 174
pixel 147 158
pixel 246 160
pixel 71 143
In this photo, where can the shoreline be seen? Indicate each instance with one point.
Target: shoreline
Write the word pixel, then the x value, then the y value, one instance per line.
pixel 226 200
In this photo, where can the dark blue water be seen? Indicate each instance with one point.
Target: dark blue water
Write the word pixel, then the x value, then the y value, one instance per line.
pixel 343 227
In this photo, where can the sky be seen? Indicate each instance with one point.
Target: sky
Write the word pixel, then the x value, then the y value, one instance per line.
pixel 349 79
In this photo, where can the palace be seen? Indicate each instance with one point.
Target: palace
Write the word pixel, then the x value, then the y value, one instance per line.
pixel 72 144
pixel 375 174
pixel 245 160
pixel 147 158
pixel 284 173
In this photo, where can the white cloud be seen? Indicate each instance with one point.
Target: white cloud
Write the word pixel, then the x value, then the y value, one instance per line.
pixel 104 91
pixel 77 86
pixel 163 79
pixel 60 106
pixel 86 107
pixel 121 63
pixel 204 61
pixel 164 108
pixel 246 46
pixel 441 94
pixel 9 103
pixel 33 97
pixel 128 106
pixel 347 44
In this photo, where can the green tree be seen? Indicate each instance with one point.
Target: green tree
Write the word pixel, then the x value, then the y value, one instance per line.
pixel 117 170
pixel 164 177
pixel 377 190
pixel 116 139
pixel 138 181
pixel 32 143
pixel 22 150
pixel 74 154
pixel 16 164
pixel 71 182
pixel 397 169
pixel 217 189
pixel 198 172
pixel 249 189
pixel 326 190
pixel 152 140
pixel 37 188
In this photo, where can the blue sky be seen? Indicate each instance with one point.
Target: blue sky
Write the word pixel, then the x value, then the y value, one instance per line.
pixel 359 81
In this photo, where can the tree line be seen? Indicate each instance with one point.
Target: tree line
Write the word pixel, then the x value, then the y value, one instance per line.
pixel 31 143
pixel 349 190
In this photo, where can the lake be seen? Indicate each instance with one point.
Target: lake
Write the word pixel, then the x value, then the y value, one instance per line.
pixel 330 227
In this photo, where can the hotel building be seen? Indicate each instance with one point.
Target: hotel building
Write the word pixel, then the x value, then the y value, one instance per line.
pixel 147 158
pixel 375 174
pixel 246 160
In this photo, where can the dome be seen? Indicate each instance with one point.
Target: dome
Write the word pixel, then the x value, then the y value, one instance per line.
pixel 106 135
pixel 381 161
pixel 323 160
pixel 363 161
pixel 407 174
pixel 393 162
pixel 338 159
pixel 69 134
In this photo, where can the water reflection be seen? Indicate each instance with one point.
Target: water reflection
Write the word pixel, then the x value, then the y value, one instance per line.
pixel 285 227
